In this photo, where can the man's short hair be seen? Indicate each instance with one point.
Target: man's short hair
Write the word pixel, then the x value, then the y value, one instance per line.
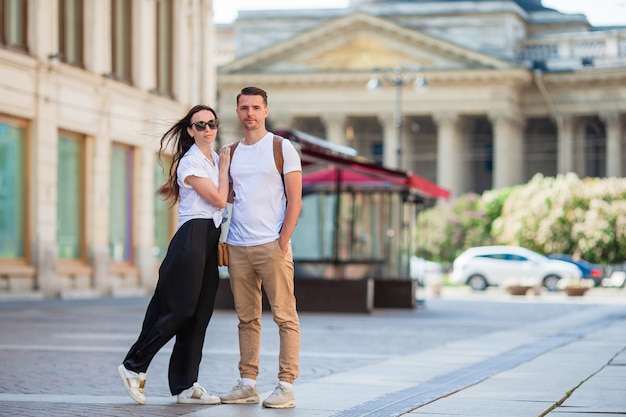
pixel 253 91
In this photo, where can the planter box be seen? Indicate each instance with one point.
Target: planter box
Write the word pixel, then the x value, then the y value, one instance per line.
pixel 338 295
pixel 317 294
pixel 518 289
pixel 575 291
pixel 395 293
pixel 335 295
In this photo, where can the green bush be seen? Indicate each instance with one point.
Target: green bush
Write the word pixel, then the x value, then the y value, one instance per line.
pixel 562 214
pixel 446 230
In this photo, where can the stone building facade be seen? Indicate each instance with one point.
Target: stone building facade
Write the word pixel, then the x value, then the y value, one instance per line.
pixel 505 89
pixel 86 90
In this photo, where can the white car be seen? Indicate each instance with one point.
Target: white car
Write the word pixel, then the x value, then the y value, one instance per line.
pixel 483 266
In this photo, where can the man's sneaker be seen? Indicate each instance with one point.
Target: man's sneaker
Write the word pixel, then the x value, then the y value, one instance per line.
pixel 197 395
pixel 241 394
pixel 282 397
pixel 134 383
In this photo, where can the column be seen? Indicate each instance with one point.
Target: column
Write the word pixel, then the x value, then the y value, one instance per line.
pixel 44 40
pixel 580 146
pixel 98 198
pixel 614 148
pixel 451 156
pixel 508 149
pixel 144 58
pixel 207 79
pixel 565 143
pixel 44 135
pixel 335 128
pixel 390 140
pixel 185 63
pixel 144 201
pixel 98 36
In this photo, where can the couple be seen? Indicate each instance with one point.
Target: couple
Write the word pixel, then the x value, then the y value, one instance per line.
pixel 265 211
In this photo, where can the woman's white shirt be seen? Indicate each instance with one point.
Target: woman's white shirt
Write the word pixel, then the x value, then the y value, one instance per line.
pixel 191 205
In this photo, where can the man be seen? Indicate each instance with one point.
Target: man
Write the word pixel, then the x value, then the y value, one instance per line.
pixel 266 207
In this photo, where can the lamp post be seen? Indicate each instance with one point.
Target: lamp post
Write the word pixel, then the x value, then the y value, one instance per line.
pixel 397 77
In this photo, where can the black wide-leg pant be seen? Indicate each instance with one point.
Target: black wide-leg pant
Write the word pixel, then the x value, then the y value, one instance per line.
pixel 182 304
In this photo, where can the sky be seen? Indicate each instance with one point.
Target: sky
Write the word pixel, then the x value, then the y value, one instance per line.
pixel 599 12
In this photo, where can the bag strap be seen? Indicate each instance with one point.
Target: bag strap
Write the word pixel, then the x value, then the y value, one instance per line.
pixel 279 160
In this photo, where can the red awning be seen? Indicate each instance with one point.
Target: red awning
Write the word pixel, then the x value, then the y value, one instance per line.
pixel 333 174
pixel 332 159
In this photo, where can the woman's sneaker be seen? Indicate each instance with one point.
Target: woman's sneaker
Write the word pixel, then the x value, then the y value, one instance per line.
pixel 197 395
pixel 282 397
pixel 134 383
pixel 241 394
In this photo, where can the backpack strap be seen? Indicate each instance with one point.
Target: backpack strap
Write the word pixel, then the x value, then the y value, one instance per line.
pixel 231 192
pixel 279 160
pixel 232 147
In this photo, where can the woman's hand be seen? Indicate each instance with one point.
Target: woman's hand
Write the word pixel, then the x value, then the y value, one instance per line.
pixel 224 158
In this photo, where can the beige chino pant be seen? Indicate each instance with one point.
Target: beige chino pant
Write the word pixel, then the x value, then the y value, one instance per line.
pixel 249 268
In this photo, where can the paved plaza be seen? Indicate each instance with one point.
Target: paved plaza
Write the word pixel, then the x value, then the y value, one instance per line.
pixel 462 354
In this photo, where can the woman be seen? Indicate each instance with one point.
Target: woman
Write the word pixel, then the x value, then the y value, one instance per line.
pixel 184 297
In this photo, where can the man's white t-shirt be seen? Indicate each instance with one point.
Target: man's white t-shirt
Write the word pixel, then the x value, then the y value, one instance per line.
pixel 191 205
pixel 260 202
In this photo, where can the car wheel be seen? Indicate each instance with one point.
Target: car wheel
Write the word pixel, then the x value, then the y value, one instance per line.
pixel 477 282
pixel 551 282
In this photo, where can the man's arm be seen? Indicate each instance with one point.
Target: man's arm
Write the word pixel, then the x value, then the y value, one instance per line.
pixel 293 190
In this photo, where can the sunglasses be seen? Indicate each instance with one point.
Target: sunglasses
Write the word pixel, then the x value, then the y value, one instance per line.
pixel 212 124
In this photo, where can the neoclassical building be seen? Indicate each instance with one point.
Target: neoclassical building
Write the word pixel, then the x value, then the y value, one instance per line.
pixel 86 89
pixel 472 95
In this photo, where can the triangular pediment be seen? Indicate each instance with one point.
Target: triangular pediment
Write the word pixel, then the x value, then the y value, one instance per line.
pixel 361 51
pixel 361 42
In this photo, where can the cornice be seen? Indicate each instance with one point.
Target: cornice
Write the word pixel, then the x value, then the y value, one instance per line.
pixel 513 77
pixel 586 77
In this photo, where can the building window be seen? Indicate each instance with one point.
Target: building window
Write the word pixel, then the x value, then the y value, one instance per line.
pixel 120 204
pixel 13 23
pixel 71 34
pixel 163 223
pixel 378 150
pixel 121 41
pixel 12 190
pixel 164 36
pixel 70 197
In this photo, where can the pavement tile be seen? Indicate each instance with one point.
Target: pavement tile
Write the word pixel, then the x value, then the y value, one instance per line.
pixel 350 364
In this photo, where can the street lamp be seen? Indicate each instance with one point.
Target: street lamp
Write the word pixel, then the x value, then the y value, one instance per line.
pixel 397 77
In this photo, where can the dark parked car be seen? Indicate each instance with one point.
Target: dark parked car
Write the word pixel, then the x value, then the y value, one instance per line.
pixel 588 269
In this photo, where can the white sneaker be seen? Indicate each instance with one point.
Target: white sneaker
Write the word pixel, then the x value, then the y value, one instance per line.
pixel 241 394
pixel 134 383
pixel 197 395
pixel 282 397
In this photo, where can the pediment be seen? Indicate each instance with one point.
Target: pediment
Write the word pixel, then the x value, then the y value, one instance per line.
pixel 361 42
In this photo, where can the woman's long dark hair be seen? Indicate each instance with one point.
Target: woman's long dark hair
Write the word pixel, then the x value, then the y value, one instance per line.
pixel 182 142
